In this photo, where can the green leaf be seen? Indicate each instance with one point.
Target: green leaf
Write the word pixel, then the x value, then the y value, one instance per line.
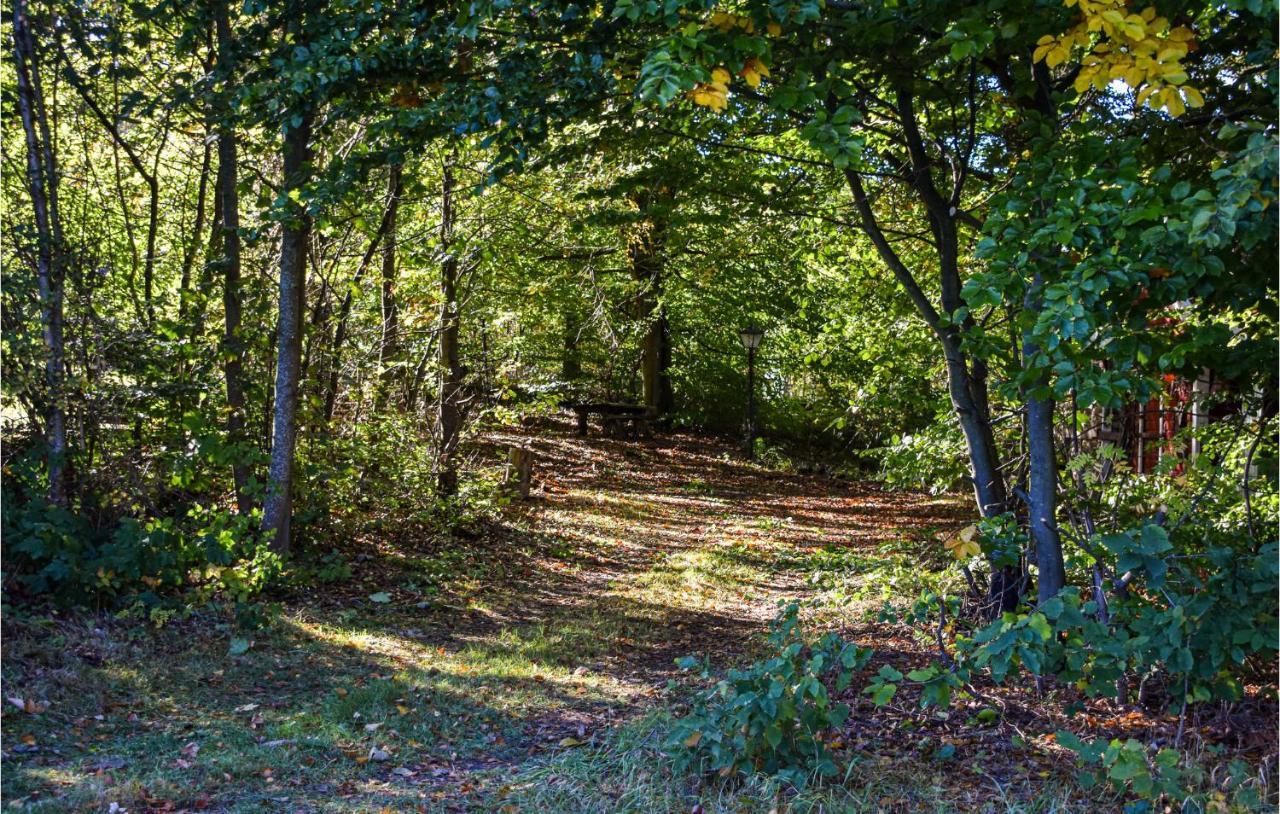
pixel 1039 624
pixel 889 674
pixel 881 694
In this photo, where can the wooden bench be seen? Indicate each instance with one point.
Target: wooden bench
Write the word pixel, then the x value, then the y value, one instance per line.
pixel 618 420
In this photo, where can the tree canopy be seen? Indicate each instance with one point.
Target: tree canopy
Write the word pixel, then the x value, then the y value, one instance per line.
pixel 276 268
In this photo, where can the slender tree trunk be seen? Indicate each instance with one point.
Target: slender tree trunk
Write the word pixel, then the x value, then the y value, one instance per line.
pixel 42 183
pixel 450 411
pixel 334 363
pixel 388 349
pixel 966 378
pixel 278 510
pixel 197 239
pixel 1042 486
pixel 148 177
pixel 233 347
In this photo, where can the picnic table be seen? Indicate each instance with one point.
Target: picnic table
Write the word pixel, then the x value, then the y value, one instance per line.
pixel 617 419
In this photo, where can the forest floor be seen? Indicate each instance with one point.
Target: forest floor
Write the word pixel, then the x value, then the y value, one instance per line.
pixel 524 665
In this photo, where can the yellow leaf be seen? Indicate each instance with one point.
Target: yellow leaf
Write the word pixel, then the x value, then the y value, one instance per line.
pixel 1135 26
pixel 692 740
pixel 402 709
pixel 722 21
pixel 1192 96
pixel 720 77
pixel 753 70
pixel 714 95
pixel 570 742
pixel 965 544
pixel 774 29
pixel 1041 51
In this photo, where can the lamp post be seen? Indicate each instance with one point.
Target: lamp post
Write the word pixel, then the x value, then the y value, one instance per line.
pixel 750 337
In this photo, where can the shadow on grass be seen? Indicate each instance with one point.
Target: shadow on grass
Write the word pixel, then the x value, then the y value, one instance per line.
pixel 293 722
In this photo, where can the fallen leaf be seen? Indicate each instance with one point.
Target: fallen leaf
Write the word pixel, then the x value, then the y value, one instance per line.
pixel 380 597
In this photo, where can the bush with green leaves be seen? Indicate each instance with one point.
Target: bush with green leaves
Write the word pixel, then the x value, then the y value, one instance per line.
pixel 58 552
pixel 932 459
pixel 1195 619
pixel 773 715
pixel 1150 774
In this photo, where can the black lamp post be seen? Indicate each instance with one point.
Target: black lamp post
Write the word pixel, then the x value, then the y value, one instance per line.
pixel 750 337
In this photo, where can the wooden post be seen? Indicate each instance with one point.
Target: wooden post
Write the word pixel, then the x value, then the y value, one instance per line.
pixel 519 475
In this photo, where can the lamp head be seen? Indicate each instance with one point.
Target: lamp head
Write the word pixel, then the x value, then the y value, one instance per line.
pixel 750 336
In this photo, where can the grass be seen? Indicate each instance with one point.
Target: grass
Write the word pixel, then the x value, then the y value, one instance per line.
pixel 628 774
pixel 528 668
pixel 296 717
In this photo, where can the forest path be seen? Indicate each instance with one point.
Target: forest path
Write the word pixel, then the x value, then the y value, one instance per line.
pixel 443 666
pixel 680 539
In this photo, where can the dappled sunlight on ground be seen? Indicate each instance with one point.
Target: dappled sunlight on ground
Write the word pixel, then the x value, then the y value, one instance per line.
pixel 536 634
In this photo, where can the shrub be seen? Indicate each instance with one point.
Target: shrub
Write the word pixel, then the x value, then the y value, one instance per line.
pixel 933 459
pixel 773 715
pixel 52 550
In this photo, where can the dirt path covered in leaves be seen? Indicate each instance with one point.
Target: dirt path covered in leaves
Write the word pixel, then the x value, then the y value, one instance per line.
pixel 441 665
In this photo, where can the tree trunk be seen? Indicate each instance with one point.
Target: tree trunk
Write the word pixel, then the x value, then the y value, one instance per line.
pixel 966 378
pixel 389 347
pixel 451 373
pixel 293 268
pixel 1042 486
pixel 42 183
pixel 229 201
pixel 519 474
pixel 645 248
pixel 194 246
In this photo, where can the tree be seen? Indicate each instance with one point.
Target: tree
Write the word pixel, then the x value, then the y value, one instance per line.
pixel 229 225
pixel 449 415
pixel 42 185
pixel 935 99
